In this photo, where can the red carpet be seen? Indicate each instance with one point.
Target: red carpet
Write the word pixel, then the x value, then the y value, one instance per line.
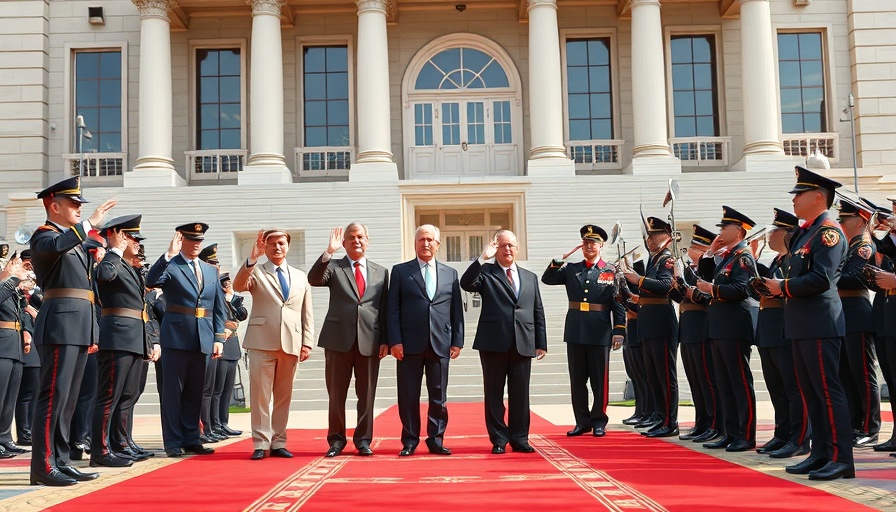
pixel 622 471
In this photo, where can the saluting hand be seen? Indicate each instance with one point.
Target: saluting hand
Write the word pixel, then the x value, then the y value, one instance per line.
pixel 174 246
pixel 335 240
pixel 572 251
pixel 491 249
pixel 258 248
pixel 14 268
pixel 716 245
pixel 101 211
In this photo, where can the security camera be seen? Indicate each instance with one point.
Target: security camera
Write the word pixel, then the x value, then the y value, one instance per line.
pixel 461 7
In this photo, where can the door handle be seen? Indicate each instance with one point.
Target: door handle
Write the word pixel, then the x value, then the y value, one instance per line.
pixel 463 145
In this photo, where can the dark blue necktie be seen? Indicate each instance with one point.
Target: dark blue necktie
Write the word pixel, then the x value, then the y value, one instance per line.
pixel 284 287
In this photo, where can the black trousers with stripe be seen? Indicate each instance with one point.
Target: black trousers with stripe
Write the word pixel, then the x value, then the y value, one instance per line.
pixel 735 384
pixel 633 359
pixel 661 367
pixel 886 356
pixel 588 364
pixel 859 378
pixel 791 417
pixel 698 367
pixel 115 370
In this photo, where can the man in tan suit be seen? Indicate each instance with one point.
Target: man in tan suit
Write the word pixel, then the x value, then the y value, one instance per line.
pixel 280 335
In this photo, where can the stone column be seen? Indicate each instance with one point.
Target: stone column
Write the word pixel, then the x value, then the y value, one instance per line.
pixel 266 164
pixel 548 154
pixel 155 167
pixel 651 150
pixel 374 159
pixel 760 91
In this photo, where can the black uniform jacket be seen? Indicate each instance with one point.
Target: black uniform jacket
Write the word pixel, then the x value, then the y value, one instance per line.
pixel 120 286
pixel 236 312
pixel 595 285
pixel 770 327
pixel 692 321
pixel 657 320
pixel 733 311
pixel 12 343
pixel 813 308
pixel 857 305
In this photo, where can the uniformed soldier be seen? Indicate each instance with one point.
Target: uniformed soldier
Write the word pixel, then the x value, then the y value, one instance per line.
pixel 31 369
pixel 791 435
pixel 858 360
pixel 16 329
pixel 227 364
pixel 813 319
pixel 658 327
pixel 595 321
pixel 209 254
pixel 122 338
pixel 696 350
pixel 62 270
pixel 883 309
pixel 732 323
pixel 633 357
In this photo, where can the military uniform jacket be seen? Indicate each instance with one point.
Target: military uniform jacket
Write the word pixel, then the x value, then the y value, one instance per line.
pixel 770 327
pixel 813 308
pixel 732 311
pixel 119 286
pixel 60 261
pixel 857 310
pixel 692 323
pixel 12 342
pixel 155 309
pixel 657 320
pixel 884 306
pixel 595 285
pixel 235 312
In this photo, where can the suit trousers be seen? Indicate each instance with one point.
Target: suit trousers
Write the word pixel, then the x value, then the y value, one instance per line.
pixel 698 367
pixel 338 375
pixel 817 363
pixel 126 430
pixel 886 357
pixel 660 362
pixel 183 373
pixel 410 371
pixel 588 363
pixel 224 378
pixel 859 378
pixel 735 383
pixel 115 367
pixel 791 421
pixel 61 370
pixel 645 405
pixel 82 418
pixel 271 375
pixel 120 433
pixel 208 389
pixel 10 380
pixel 27 399
pixel 515 370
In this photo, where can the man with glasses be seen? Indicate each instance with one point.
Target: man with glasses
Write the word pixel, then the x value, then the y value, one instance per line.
pixel 595 322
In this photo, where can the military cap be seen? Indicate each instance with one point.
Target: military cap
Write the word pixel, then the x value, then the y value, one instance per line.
pixel 224 277
pixel 655 225
pixel 593 232
pixel 807 180
pixel 130 224
pixel 26 254
pixel 70 188
pixel 785 220
pixel 193 230
pixel 702 236
pixel 850 209
pixel 209 254
pixel 732 216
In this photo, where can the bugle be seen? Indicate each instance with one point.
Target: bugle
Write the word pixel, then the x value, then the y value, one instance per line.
pixel 23 235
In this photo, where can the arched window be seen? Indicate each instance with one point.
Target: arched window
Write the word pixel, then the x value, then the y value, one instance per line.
pixel 461 68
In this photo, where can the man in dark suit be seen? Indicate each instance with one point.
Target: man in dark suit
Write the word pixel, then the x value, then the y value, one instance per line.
pixel 426 328
pixel 595 321
pixel 813 319
pixel 65 327
pixel 511 332
pixel 354 333
pixel 193 328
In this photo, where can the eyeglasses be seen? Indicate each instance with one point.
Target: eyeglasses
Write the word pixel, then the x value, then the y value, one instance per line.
pixel 506 246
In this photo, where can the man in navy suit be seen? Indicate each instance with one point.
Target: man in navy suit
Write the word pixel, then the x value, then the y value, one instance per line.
pixel 511 332
pixel 192 328
pixel 425 328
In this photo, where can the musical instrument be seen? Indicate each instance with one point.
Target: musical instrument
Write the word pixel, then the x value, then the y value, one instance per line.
pixel 23 235
pixel 677 253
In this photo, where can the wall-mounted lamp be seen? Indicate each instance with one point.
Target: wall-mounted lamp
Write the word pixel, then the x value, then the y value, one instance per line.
pixel 461 7
pixel 95 16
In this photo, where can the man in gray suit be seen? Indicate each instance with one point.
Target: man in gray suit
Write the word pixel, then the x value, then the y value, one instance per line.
pixel 426 328
pixel 511 332
pixel 354 333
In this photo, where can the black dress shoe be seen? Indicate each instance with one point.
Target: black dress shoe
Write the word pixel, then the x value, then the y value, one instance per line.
pixel 707 436
pixel 741 445
pixel 12 448
pixel 231 432
pixel 887 446
pixel 174 452
pixel 498 449
pixel 633 420
pixel 407 451
pixel 776 443
pixel 124 455
pixel 335 449
pixel 5 454
pixel 722 442
pixel 257 455
pixel 75 454
pixel 198 449
pixel 523 448
pixel 283 453
pixel 651 430
pixel 649 421
pixel 667 431
pixel 437 449
pixel 73 472
pixel 691 434
pixel 364 450
pixel 24 440
pixel 206 439
pixel 807 466
pixel 789 450
pixel 220 435
pixel 109 461
pixel 599 432
pixel 833 470
pixel 54 478
pixel 135 456
pixel 578 430
pixel 864 440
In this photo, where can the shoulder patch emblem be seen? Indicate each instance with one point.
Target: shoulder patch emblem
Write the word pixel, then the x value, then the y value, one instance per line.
pixel 830 237
pixel 864 252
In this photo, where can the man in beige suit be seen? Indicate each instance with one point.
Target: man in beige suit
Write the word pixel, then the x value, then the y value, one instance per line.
pixel 280 335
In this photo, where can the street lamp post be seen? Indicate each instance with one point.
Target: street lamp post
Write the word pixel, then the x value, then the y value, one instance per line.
pixel 83 133
pixel 849 110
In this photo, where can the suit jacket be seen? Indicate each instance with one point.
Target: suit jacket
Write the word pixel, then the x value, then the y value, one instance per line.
pixel 596 285
pixel 120 286
pixel 277 323
pixel 60 261
pixel 416 322
pixel 813 308
pixel 350 317
pixel 178 283
pixel 733 311
pixel 507 320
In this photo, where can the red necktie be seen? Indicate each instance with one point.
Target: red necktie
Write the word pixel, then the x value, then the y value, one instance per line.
pixel 510 278
pixel 359 279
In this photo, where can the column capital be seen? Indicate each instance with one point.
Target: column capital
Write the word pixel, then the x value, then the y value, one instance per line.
pixel 384 6
pixel 748 1
pixel 636 3
pixel 542 3
pixel 155 8
pixel 272 7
